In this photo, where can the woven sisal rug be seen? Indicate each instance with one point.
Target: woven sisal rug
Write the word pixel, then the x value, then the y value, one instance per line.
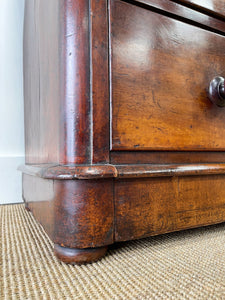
pixel 184 265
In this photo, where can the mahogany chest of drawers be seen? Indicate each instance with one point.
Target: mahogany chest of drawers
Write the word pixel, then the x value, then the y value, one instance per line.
pixel 124 119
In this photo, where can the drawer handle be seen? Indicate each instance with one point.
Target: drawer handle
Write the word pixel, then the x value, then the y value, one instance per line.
pixel 217 92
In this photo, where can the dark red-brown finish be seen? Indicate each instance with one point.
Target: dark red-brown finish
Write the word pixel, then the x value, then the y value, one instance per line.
pixel 150 170
pixel 160 80
pixel 100 79
pixel 167 157
pixel 180 12
pixel 158 205
pixel 60 172
pixel 85 213
pixel 213 7
pixel 74 213
pixel 100 82
pixel 124 171
pixel 75 84
pixel 78 256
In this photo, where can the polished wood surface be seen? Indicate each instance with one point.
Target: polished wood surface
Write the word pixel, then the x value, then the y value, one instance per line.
pixel 166 157
pixel 121 171
pixel 211 7
pixel 79 256
pixel 66 82
pixel 150 170
pixel 38 195
pixel 182 13
pixel 74 213
pixel 75 83
pixel 160 79
pixel 100 82
pixel 216 91
pixel 158 205
pixel 122 140
pixel 42 80
pixel 69 172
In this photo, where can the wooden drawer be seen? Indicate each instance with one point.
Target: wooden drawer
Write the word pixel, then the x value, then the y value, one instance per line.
pixel 161 68
pixel 212 7
pixel 155 59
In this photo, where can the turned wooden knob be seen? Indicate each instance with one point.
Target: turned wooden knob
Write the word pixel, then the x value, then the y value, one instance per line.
pixel 216 91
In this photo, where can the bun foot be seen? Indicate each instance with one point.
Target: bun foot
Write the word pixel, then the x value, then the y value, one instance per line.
pixel 79 256
pixel 26 207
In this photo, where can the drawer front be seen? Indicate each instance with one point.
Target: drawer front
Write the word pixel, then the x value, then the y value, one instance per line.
pixel 215 7
pixel 160 72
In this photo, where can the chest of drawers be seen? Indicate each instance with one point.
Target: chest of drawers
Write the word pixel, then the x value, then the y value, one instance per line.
pixel 124 119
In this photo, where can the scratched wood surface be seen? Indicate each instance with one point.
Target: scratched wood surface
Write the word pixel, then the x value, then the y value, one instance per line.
pixel 161 69
pixel 212 7
pixel 183 12
pixel 144 66
pixel 66 81
pixel 74 213
pixel 100 82
pixel 166 157
pixel 153 206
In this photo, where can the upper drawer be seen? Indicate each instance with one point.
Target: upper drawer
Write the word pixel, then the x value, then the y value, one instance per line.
pixel 214 7
pixel 160 72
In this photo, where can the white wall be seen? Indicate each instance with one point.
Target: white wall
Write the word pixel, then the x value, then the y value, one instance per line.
pixel 11 100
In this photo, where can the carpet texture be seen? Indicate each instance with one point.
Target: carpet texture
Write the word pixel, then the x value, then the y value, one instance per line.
pixel 183 265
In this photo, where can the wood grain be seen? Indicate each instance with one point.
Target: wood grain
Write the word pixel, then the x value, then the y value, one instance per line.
pixel 69 172
pixel 121 171
pixel 166 157
pixel 214 7
pixel 150 170
pixel 105 76
pixel 183 13
pixel 147 207
pixel 161 69
pixel 75 214
pixel 99 82
pixel 75 83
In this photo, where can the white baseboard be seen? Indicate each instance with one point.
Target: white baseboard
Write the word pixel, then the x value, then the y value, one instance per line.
pixel 10 179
